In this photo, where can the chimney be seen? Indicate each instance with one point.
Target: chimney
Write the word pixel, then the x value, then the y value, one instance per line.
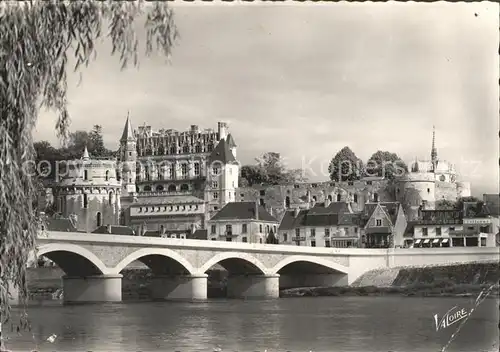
pixel 109 228
pixel 327 202
pixel 256 210
pixel 296 212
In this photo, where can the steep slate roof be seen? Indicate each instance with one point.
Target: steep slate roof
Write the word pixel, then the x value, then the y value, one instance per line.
pixel 115 230
pixel 59 224
pixel 337 214
pixel 230 141
pixel 242 211
pixel 222 153
pixel 493 203
pixel 391 209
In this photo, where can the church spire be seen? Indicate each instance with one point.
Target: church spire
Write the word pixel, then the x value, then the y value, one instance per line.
pixel 128 133
pixel 433 149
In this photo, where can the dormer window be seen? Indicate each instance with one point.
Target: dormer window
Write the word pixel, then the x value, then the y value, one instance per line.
pixel 378 222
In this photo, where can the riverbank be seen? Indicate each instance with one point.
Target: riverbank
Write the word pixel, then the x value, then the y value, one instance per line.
pixel 456 280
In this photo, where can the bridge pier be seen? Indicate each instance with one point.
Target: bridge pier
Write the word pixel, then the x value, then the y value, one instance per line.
pixel 253 286
pixel 92 289
pixel 180 287
pixel 313 280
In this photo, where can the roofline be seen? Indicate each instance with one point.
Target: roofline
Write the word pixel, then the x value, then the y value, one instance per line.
pixel 256 220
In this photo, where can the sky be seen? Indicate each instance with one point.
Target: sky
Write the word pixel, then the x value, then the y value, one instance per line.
pixel 305 80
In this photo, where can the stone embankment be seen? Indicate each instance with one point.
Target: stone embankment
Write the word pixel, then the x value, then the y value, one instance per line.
pixel 449 280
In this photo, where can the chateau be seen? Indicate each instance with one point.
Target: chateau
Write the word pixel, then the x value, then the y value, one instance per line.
pixel 172 183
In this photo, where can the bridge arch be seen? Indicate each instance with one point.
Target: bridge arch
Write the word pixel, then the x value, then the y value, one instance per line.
pixel 236 263
pixel 159 260
pixel 321 264
pixel 74 260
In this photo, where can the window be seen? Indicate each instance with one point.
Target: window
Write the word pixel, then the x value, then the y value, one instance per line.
pixel 197 149
pixel 216 170
pixel 313 232
pixel 110 199
pixel 470 228
pixel 129 153
pixel 216 195
pixel 196 169
pixel 184 170
pixel 375 197
pixel 327 232
pixel 214 239
pixel 267 229
pixel 428 190
pixel 172 188
pixel 215 184
pixel 147 188
pixel 313 243
pixel 438 231
pixel 287 202
pixel 184 187
pixel 425 231
pixel 378 222
pixel 229 229
pixel 244 228
pixel 315 199
pixel 356 230
pixel 213 229
pixel 262 202
pixel 107 175
pixel 185 149
pixel 483 242
pixel 171 172
pixel 338 197
pixel 159 188
pixel 244 240
pixel 285 237
pixel 297 232
pixel 85 201
pixel 260 228
pixel 161 228
pixel 355 198
pixel 85 175
pixel 260 240
pixel 452 228
pixel 99 219
pixel 368 182
pixel 262 193
pixel 327 243
pixel 346 230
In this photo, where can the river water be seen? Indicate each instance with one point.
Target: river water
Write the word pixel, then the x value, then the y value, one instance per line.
pixel 320 324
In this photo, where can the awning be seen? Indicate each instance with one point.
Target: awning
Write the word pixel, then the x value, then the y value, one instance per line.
pixel 436 240
pixel 426 241
pixel 417 241
pixel 445 240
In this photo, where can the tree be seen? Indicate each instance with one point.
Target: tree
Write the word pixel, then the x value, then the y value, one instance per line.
pixel 385 164
pixel 269 170
pixel 345 166
pixel 36 38
pixel 459 204
pixel 444 204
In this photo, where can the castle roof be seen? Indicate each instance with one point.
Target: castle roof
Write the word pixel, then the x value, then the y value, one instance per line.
pixel 390 208
pixel 221 153
pixel 86 155
pixel 128 132
pixel 230 141
pixel 243 211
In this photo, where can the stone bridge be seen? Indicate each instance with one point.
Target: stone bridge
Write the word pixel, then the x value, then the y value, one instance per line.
pixel 93 263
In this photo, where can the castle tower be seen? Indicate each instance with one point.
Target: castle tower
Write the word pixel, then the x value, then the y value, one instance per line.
pixel 434 156
pixel 222 129
pixel 89 192
pixel 128 158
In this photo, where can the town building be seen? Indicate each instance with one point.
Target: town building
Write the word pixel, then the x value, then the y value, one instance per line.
pixel 469 227
pixel 242 222
pixel 322 225
pixel 88 192
pixel 384 225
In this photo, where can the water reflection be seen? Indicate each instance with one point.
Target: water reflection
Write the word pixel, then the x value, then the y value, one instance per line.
pixel 303 324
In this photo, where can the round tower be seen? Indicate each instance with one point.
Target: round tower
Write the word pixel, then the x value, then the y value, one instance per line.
pixel 417 189
pixel 89 192
pixel 463 189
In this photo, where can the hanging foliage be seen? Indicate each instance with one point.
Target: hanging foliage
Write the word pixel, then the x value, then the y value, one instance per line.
pixel 36 39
